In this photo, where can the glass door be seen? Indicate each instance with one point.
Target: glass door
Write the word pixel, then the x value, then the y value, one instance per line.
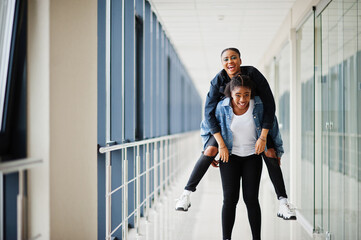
pixel 336 163
pixel 331 82
pixel 320 140
pixel 352 90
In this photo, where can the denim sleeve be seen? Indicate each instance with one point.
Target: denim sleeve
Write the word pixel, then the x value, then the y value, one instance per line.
pixel 212 99
pixel 264 91
pixel 276 137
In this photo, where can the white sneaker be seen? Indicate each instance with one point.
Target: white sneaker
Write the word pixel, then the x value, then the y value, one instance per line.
pixel 183 203
pixel 286 212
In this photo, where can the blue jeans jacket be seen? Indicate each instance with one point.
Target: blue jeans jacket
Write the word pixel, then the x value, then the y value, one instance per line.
pixel 224 114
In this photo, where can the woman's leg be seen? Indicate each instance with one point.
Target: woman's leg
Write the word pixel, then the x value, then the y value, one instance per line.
pixel 230 175
pixel 202 164
pixel 201 167
pixel 275 174
pixel 251 176
pixel 285 210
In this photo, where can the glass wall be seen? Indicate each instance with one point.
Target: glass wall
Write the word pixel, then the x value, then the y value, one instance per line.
pixel 279 80
pixel 7 11
pixel 305 73
pixel 145 100
pixel 328 169
pixel 351 109
pixel 282 91
pixel 337 178
pixel 13 102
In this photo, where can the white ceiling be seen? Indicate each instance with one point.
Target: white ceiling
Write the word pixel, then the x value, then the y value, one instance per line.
pixel 201 29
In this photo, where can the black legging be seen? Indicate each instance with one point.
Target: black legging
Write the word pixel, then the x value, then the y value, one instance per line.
pixel 248 169
pixel 276 176
pixel 202 165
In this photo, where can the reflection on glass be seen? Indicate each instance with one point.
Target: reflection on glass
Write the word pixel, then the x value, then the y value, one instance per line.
pixel 305 54
pixel 351 120
pixel 340 114
pixel 283 93
pixel 7 8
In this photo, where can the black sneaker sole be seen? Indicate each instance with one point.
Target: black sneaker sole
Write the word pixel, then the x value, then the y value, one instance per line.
pixel 182 209
pixel 291 218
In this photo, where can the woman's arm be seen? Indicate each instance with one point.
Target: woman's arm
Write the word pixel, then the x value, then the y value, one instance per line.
pixel 263 90
pixel 276 137
pixel 212 100
pixel 261 141
pixel 222 148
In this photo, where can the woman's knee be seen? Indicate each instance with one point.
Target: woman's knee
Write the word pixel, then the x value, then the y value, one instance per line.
pixel 211 151
pixel 230 197
pixel 230 202
pixel 250 200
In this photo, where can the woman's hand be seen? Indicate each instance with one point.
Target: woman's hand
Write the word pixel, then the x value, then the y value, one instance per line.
pixel 215 163
pixel 223 153
pixel 260 145
pixel 261 141
pixel 222 148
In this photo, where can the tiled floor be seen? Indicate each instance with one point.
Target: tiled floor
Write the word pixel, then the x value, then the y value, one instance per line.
pixel 203 220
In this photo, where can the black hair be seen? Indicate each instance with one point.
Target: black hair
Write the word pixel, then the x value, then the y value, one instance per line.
pixel 232 49
pixel 239 81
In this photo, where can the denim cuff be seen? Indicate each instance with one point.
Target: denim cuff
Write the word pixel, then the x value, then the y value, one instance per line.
pixel 215 130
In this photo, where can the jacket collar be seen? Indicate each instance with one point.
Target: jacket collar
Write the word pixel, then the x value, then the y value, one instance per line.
pixel 257 100
pixel 226 102
pixel 224 76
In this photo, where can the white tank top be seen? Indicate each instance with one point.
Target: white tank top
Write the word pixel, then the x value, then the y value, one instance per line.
pixel 244 133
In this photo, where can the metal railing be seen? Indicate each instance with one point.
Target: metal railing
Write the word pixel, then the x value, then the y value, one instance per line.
pixel 160 158
pixel 19 166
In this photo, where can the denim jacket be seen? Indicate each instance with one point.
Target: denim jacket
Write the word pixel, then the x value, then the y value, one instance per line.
pixel 224 114
pixel 216 90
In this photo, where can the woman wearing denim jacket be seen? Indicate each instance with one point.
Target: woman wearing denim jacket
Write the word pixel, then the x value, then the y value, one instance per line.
pixel 231 61
pixel 240 119
pixel 224 115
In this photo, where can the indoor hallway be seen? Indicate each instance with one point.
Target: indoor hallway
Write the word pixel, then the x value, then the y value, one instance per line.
pixel 101 103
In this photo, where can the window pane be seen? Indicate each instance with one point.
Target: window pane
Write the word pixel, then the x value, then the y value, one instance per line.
pixel 283 94
pixel 350 64
pixel 305 48
pixel 7 8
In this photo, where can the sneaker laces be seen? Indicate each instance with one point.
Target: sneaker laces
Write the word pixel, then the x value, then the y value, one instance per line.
pixel 180 198
pixel 290 207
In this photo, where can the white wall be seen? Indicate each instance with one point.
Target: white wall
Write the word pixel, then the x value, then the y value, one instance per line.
pixel 38 117
pixel 299 11
pixel 62 118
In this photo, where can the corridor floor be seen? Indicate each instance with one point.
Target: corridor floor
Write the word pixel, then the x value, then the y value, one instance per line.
pixel 203 220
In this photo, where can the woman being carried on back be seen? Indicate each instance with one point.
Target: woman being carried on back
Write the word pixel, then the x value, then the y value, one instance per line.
pixel 240 117
pixel 231 61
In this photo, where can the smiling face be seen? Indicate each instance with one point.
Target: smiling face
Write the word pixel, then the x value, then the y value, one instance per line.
pixel 240 99
pixel 231 62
